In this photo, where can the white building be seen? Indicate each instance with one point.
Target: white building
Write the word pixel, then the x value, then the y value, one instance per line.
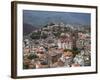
pixel 65 41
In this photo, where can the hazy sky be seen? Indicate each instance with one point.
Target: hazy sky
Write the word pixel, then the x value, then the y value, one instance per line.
pixel 39 18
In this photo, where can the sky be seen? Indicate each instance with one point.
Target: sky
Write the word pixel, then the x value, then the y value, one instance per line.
pixel 40 18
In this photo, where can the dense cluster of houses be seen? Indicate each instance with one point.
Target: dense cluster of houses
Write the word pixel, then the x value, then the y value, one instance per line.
pixel 57 51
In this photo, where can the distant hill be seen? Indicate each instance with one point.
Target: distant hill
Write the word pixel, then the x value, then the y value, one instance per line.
pixel 40 18
pixel 28 28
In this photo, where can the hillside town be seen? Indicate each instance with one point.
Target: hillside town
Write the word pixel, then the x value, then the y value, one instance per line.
pixel 57 45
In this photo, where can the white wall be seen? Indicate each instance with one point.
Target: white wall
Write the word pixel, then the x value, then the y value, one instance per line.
pixel 5 44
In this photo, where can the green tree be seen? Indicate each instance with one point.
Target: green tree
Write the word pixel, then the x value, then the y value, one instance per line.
pixel 32 56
